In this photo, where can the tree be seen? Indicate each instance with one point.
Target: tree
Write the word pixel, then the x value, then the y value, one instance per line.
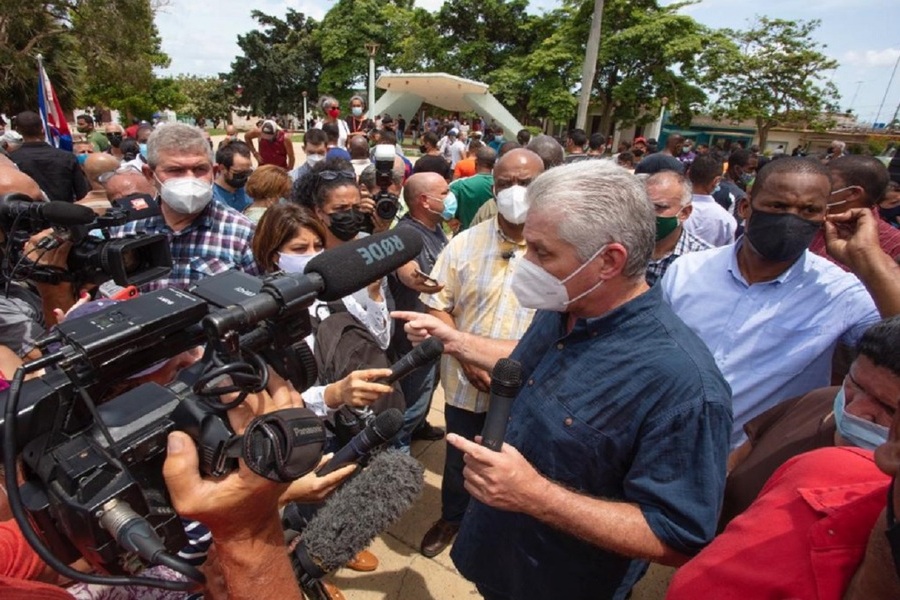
pixel 772 74
pixel 208 97
pixel 281 60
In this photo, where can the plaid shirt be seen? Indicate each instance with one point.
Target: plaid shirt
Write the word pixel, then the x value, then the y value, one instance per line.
pixel 477 294
pixel 687 243
pixel 217 240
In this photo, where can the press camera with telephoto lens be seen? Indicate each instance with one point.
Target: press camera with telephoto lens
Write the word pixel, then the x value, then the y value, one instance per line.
pixel 386 203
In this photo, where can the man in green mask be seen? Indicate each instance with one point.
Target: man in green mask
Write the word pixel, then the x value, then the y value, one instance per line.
pixel 670 194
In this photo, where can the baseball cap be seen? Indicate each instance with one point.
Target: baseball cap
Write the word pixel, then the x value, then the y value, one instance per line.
pixel 268 127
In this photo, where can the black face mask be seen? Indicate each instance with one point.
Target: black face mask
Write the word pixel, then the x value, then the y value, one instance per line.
pixel 423 149
pixel 780 237
pixel 346 224
pixel 115 139
pixel 237 181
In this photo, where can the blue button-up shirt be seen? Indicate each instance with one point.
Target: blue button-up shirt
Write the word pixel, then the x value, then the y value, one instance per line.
pixel 629 407
pixel 217 240
pixel 772 340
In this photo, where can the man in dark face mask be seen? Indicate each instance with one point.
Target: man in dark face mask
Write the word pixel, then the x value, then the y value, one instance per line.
pixel 115 136
pixel 233 168
pixel 772 312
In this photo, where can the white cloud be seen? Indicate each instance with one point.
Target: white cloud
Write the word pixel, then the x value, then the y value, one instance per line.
pixel 872 58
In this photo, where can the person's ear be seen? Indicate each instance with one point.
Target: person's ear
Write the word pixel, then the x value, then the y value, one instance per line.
pixel 686 213
pixel 744 208
pixel 612 262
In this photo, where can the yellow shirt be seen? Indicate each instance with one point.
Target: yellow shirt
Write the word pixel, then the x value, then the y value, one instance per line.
pixel 476 269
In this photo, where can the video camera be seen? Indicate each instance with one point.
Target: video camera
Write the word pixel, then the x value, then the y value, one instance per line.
pixel 94 485
pixel 95 255
pixel 386 203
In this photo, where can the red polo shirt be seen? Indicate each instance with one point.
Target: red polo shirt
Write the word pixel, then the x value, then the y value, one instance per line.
pixel 19 565
pixel 803 537
pixel 888 239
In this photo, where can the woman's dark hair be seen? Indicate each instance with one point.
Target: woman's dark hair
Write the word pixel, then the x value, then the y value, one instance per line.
pixel 311 190
pixel 130 149
pixel 280 224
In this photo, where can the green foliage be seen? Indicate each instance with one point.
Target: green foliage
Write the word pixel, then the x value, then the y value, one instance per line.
pixel 772 74
pixel 208 97
pixel 281 60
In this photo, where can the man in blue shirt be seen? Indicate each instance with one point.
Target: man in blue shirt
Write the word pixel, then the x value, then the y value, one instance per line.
pixel 616 445
pixel 770 311
pixel 233 168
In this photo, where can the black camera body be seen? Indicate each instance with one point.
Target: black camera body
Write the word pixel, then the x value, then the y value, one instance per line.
pixel 386 203
pixel 89 472
pixel 95 255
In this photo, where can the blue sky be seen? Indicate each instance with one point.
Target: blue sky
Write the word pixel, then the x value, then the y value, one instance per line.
pixel 201 37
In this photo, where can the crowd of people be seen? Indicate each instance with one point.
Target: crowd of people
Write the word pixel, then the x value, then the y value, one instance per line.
pixel 707 342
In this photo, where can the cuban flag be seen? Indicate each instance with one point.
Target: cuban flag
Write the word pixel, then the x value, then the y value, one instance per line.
pixel 56 130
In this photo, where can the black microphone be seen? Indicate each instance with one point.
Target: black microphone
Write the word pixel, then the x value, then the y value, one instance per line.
pixel 357 512
pixel 506 379
pixel 423 354
pixel 13 206
pixel 355 264
pixel 381 430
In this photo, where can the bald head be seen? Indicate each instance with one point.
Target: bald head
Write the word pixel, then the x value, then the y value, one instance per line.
pixel 132 182
pixel 97 164
pixel 420 185
pixel 548 149
pixel 520 159
pixel 230 130
pixel 358 146
pixel 13 181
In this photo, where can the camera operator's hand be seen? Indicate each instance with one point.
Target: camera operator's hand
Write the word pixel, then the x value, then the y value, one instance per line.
pixel 55 257
pixel 279 394
pixel 367 206
pixel 53 296
pixel 358 389
pixel 315 488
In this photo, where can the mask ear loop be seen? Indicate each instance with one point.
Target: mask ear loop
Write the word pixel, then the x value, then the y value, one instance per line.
pixel 579 270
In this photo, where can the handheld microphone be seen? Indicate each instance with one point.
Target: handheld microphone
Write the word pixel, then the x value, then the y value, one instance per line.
pixel 506 379
pixel 423 354
pixel 351 266
pixel 13 206
pixel 356 513
pixel 381 430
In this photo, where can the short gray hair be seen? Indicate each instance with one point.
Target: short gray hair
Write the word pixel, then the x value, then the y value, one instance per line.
pixel 177 138
pixel 326 99
pixel 597 203
pixel 664 177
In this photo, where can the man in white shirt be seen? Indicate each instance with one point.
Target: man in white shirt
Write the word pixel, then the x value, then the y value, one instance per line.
pixel 708 221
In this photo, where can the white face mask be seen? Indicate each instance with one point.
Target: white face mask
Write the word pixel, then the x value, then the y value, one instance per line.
pixel 294 263
pixel 512 204
pixel 186 195
pixel 314 159
pixel 536 288
pixel 860 432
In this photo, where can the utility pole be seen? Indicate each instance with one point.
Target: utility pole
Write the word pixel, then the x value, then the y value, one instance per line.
pixel 372 49
pixel 886 90
pixel 590 65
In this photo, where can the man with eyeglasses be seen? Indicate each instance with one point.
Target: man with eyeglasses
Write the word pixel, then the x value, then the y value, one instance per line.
pixel 858 182
pixel 233 168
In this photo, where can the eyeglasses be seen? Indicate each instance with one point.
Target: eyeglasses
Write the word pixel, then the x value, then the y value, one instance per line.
pixel 103 178
pixel 332 175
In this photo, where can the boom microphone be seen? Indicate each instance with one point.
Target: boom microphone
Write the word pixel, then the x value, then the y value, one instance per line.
pixel 13 206
pixel 351 266
pixel 382 429
pixel 423 354
pixel 506 379
pixel 358 511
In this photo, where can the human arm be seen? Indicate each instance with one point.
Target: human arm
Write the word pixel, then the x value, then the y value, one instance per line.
pixel 409 276
pixel 54 296
pixel 289 148
pixel 467 348
pixel 507 481
pixel 358 389
pixel 248 139
pixel 852 238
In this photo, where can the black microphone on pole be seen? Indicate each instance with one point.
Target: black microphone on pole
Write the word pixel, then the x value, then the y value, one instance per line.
pixel 506 379
pixel 423 354
pixel 381 430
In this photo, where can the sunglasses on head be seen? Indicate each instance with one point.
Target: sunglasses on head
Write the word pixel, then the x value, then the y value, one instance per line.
pixel 332 175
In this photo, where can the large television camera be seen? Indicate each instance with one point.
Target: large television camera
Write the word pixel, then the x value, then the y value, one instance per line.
pixel 93 474
pixel 386 203
pixel 95 255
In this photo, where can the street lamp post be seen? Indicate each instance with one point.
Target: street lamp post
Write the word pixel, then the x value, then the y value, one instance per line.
pixel 372 49
pixel 662 115
pixel 305 114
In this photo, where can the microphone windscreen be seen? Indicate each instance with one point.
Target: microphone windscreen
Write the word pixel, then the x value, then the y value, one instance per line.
pixel 356 264
pixel 66 213
pixel 363 508
pixel 388 423
pixel 506 377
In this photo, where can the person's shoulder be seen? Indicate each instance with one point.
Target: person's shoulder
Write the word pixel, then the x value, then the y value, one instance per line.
pixel 827 273
pixel 704 259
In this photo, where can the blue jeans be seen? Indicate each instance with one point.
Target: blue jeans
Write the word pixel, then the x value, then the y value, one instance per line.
pixel 418 388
